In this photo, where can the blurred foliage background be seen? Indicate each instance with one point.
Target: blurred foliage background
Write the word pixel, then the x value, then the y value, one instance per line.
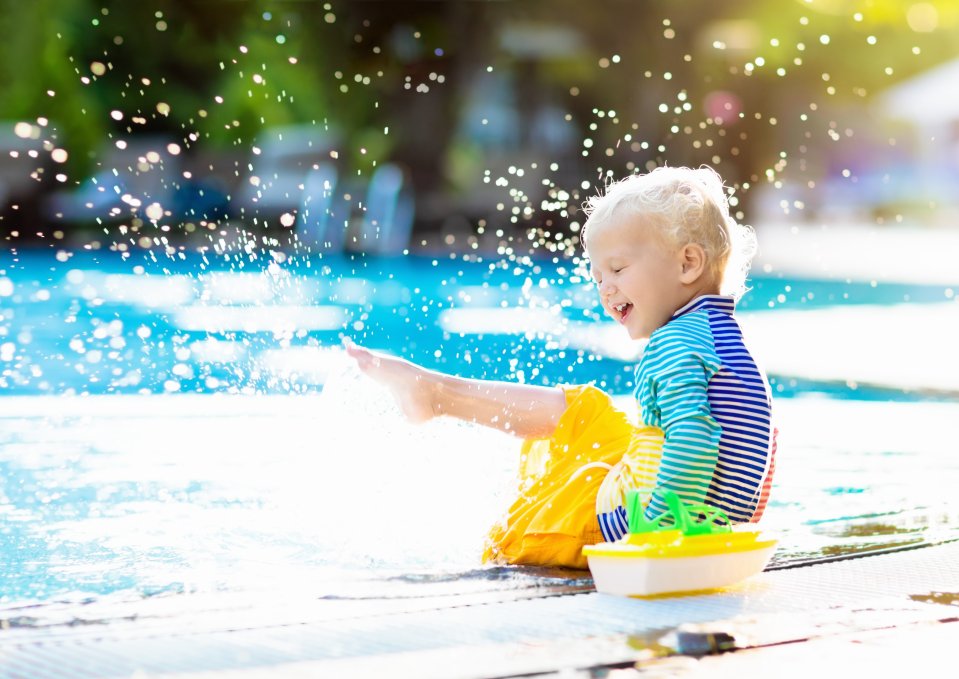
pixel 501 113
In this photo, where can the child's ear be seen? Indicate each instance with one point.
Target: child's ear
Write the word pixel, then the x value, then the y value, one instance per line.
pixel 693 261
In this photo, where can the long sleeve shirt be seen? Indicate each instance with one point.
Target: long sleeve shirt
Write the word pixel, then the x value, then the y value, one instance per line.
pixel 700 385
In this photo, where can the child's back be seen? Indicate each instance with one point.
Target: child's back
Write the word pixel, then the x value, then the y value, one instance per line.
pixel 698 382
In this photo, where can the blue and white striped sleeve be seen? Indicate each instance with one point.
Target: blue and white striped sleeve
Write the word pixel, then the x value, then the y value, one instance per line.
pixel 691 447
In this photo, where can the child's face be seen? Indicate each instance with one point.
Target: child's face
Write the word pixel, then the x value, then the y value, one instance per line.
pixel 637 273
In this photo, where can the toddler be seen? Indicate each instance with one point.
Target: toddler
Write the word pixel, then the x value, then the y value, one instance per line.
pixel 668 262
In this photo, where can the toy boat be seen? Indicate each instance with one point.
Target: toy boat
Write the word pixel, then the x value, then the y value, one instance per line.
pixel 676 553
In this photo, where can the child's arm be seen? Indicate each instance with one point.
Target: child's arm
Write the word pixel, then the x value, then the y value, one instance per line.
pixel 691 443
pixel 524 410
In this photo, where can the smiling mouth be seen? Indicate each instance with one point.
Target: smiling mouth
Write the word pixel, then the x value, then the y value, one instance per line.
pixel 623 311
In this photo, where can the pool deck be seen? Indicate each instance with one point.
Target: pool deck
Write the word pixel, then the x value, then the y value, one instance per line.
pixel 896 610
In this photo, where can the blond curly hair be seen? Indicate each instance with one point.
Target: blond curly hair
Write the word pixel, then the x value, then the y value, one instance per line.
pixel 687 206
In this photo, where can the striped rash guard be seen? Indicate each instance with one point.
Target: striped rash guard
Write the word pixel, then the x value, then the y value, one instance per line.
pixel 698 383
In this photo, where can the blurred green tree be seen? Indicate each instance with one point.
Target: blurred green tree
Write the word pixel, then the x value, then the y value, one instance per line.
pixel 754 88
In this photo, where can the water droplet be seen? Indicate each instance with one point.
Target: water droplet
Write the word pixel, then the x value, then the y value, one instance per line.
pixel 154 211
pixel 922 17
pixel 26 131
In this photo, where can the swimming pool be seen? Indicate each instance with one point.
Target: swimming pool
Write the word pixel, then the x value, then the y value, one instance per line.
pixel 174 426
pixel 100 323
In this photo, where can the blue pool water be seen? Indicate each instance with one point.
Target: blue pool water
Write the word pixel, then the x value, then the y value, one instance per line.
pixel 174 426
pixel 97 323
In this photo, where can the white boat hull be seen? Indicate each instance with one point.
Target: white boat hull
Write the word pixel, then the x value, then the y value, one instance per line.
pixel 651 576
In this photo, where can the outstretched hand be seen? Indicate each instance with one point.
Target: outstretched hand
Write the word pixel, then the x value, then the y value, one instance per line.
pixel 410 384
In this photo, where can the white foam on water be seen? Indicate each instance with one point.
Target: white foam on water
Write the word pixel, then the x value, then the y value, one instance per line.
pixel 860 252
pixel 905 346
pixel 248 493
pixel 226 287
pixel 244 493
pixel 302 364
pixel 604 339
pixel 502 321
pixel 428 491
pixel 275 318
pixel 151 292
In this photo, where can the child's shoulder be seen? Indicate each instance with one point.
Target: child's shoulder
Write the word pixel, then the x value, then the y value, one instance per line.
pixel 690 331
pixel 684 341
